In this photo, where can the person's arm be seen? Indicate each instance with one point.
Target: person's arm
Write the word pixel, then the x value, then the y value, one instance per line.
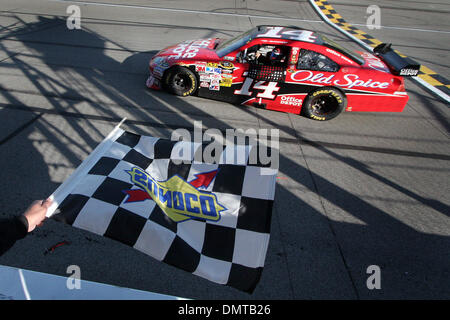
pixel 12 230
pixel 16 228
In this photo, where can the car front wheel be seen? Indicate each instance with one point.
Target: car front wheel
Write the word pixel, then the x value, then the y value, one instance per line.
pixel 180 81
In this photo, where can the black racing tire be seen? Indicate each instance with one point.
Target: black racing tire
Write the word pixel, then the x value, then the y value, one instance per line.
pixel 180 81
pixel 324 104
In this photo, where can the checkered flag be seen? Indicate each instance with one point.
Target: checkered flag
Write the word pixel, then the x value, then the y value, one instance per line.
pixel 210 219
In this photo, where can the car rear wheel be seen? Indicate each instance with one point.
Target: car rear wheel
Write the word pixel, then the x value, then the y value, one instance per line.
pixel 180 81
pixel 324 104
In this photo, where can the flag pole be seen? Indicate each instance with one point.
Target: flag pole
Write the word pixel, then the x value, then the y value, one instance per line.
pixel 68 185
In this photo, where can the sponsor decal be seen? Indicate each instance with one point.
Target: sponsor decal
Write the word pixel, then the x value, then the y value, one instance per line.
pixel 200 67
pixel 374 62
pixel 160 61
pixel 409 72
pixel 213 69
pixel 339 55
pixel 276 42
pixel 150 81
pixel 267 89
pixel 294 55
pixel 348 81
pixel 204 84
pixel 214 87
pixel 212 64
pixel 332 52
pixel 229 58
pixel 290 100
pixel 226 82
pixel 215 76
pixel 159 71
pixel 226 65
pixel 205 78
pixel 189 49
pixel 178 199
pixel 327 91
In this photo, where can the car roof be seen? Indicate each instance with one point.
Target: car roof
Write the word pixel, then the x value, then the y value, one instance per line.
pixel 287 33
pixel 294 33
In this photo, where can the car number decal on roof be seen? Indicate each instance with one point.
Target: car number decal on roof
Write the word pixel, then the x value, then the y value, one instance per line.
pixel 299 35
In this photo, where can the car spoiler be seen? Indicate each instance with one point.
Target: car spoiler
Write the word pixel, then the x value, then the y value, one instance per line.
pixel 398 65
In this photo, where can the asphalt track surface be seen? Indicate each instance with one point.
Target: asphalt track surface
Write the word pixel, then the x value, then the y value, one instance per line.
pixel 363 189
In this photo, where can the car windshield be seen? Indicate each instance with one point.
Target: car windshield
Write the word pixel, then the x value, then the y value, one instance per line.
pixel 234 43
pixel 352 55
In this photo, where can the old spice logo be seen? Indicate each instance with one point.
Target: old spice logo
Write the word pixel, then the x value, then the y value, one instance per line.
pixel 348 81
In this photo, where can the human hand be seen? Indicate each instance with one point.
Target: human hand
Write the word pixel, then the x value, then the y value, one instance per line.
pixel 35 213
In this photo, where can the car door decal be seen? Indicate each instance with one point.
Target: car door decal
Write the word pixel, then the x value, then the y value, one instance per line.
pixel 266 88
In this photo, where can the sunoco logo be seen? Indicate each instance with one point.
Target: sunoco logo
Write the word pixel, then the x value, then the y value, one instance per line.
pixel 178 199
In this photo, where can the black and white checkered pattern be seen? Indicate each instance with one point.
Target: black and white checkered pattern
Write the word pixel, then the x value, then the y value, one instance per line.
pixel 230 251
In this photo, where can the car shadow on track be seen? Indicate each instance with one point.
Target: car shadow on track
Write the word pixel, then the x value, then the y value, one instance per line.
pixel 86 79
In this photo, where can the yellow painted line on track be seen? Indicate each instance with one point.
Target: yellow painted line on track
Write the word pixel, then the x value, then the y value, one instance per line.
pixel 436 83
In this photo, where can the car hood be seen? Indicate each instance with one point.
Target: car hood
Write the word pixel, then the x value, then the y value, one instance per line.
pixel 201 49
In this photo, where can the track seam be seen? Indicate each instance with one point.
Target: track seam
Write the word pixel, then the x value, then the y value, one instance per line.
pixel 20 129
pixel 330 225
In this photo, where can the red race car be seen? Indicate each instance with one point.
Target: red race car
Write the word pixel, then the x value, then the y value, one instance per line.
pixel 285 69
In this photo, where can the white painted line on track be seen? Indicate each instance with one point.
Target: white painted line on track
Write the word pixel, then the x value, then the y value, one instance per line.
pixel 129 6
pixel 402 28
pixel 231 14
